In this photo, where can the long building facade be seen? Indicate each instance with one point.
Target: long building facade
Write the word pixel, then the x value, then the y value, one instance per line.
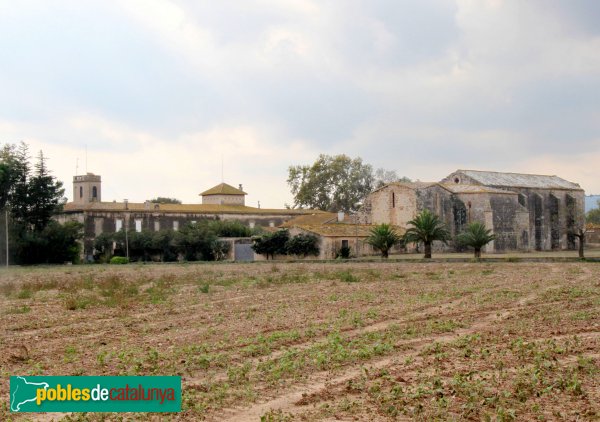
pixel 222 202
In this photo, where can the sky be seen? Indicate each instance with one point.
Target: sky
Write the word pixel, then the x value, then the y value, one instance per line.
pixel 171 97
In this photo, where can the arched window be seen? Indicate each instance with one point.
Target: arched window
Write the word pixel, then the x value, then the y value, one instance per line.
pixel 81 191
pixel 94 192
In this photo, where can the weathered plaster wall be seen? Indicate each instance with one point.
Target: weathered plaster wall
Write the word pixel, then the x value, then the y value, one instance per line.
pixel 393 204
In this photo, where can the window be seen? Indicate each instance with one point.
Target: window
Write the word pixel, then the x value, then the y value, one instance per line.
pixel 175 225
pixel 345 243
pixel 138 225
pixel 393 200
pixel 118 225
pixel 271 224
pixel 156 225
pixel 251 224
pixel 522 200
pixel 456 180
pixel 94 192
pixel 81 191
pixel 194 221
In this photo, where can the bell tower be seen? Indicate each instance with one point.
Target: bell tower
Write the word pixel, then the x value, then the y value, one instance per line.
pixel 86 189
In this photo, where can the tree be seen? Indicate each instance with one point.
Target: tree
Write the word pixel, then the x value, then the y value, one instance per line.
pixel 56 244
pixel 384 177
pixel 271 243
pixel 593 215
pixel 164 200
pixel 476 236
pixel 195 241
pixel 33 199
pixel 103 244
pixel 579 233
pixel 426 228
pixel 230 229
pixel 331 183
pixel 383 237
pixel 303 244
pixel 45 196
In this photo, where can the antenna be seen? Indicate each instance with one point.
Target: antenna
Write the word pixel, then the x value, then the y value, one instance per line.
pixel 86 159
pixel 76 166
pixel 222 179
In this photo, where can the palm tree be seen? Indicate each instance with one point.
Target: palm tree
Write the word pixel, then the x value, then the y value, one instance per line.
pixel 427 227
pixel 476 236
pixel 383 237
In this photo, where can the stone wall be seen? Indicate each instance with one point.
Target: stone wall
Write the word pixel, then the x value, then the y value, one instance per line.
pixel 97 222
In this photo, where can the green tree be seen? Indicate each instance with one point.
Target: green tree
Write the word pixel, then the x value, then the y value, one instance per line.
pixel 230 229
pixel 303 244
pixel 163 244
pixel 45 196
pixel 164 200
pixel 475 236
pixel 33 198
pixel 271 244
pixel 383 238
pixel 426 228
pixel 593 215
pixel 103 244
pixel 196 241
pixel 54 245
pixel 332 183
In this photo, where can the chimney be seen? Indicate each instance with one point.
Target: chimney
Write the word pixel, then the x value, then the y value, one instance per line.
pixel 126 202
pixel 340 216
pixel 241 187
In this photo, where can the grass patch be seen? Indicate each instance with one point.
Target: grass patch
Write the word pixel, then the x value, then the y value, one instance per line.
pixel 347 277
pixel 25 294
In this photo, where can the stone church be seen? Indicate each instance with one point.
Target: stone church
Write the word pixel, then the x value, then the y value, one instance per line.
pixel 525 211
pixel 222 202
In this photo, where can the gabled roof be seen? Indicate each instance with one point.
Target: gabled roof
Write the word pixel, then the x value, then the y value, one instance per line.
pixel 409 185
pixel 181 208
pixel 223 189
pixel 337 229
pixel 519 180
pixel 325 224
pixel 472 189
pixel 312 219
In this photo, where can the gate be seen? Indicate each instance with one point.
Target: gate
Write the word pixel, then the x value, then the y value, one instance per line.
pixel 243 252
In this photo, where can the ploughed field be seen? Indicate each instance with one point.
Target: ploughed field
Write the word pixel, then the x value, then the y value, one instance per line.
pixel 313 341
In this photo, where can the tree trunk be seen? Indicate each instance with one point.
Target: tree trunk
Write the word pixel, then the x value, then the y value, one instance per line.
pixel 477 253
pixel 427 250
pixel 581 242
pixel 384 253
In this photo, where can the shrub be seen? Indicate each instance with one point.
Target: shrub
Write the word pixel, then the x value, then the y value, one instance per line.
pixel 383 237
pixel 119 260
pixel 344 252
pixel 272 243
pixel 303 244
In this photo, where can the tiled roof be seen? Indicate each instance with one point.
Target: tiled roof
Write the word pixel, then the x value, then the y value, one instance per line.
pixel 311 219
pixel 520 180
pixel 223 189
pixel 460 188
pixel 183 208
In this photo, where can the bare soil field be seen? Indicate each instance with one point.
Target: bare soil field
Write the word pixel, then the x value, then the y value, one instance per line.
pixel 312 341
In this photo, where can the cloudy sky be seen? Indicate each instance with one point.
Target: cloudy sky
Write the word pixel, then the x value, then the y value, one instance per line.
pixel 161 92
